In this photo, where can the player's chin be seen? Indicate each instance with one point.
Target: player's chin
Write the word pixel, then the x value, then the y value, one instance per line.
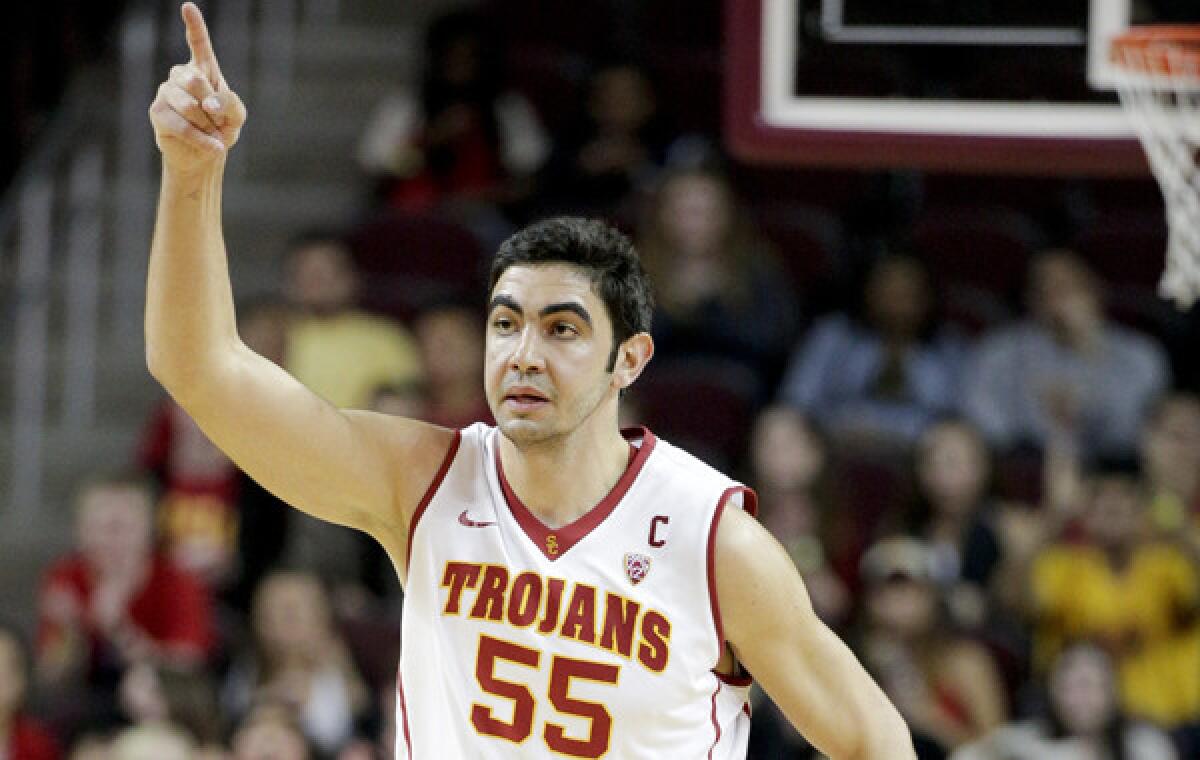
pixel 524 428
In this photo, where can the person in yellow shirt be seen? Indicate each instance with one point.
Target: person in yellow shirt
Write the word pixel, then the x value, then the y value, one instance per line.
pixel 1137 596
pixel 337 350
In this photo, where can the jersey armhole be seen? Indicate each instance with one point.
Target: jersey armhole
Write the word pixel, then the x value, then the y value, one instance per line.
pixel 750 506
pixel 428 497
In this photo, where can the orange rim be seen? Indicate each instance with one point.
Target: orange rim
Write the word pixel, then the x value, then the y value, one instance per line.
pixel 1158 49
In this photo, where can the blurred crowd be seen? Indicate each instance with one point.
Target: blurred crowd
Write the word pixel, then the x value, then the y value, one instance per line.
pixel 985 460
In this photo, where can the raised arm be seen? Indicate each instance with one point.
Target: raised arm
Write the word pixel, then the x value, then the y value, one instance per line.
pixel 804 667
pixel 354 468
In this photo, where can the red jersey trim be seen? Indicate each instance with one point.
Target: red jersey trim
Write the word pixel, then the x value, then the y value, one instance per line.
pixel 567 536
pixel 428 497
pixel 403 713
pixel 716 724
pixel 742 680
pixel 750 505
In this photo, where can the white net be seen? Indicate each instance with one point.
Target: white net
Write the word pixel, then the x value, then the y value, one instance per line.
pixel 1159 84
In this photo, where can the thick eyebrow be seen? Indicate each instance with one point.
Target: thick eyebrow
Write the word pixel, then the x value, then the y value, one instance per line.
pixel 570 306
pixel 506 301
pixel 509 302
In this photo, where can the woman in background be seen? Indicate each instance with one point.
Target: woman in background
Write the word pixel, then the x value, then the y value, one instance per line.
pixel 721 292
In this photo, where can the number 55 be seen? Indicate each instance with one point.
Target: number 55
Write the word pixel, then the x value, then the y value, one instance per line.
pixel 562 670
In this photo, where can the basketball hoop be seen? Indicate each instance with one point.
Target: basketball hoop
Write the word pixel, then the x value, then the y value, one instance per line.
pixel 1157 72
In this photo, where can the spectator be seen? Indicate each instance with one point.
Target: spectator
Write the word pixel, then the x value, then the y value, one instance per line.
pixel 450 337
pixel 152 694
pixel 22 737
pixel 1065 370
pixel 198 486
pixel 954 516
pixel 617 147
pixel 1083 720
pixel 270 732
pixel 154 741
pixel 115 600
pixel 882 375
pixel 299 661
pixel 1138 597
pixel 336 350
pixel 462 136
pixel 945 685
pixel 789 474
pixel 1170 456
pixel 720 290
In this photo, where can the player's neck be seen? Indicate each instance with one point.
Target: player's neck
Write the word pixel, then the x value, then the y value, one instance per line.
pixel 561 482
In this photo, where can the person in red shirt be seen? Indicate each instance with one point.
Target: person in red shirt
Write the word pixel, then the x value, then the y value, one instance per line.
pixel 115 600
pixel 21 737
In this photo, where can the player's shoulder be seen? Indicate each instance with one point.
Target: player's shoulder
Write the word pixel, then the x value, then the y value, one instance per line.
pixel 671 458
pixel 695 480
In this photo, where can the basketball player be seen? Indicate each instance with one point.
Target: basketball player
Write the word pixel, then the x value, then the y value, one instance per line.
pixel 571 590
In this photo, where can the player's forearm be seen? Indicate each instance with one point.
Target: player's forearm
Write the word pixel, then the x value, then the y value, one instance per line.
pixel 189 301
pixel 885 737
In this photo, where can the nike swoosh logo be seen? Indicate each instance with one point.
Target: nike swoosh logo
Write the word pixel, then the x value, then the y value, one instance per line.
pixel 464 520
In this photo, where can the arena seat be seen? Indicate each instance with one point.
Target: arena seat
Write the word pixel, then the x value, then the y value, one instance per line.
pixel 809 240
pixel 408 260
pixel 703 405
pixel 980 254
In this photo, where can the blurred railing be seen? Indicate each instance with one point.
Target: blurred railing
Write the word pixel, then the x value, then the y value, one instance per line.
pixel 80 213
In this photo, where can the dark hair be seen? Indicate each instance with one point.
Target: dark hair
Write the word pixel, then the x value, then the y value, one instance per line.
pixel 1118 722
pixel 603 252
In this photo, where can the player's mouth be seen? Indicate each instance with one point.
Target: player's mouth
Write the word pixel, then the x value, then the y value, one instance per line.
pixel 525 399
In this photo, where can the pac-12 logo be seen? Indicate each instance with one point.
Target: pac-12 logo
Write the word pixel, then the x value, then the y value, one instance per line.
pixel 637 567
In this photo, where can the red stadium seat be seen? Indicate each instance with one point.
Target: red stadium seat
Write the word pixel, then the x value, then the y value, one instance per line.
pixel 869 490
pixel 809 240
pixel 704 405
pixel 979 254
pixel 406 261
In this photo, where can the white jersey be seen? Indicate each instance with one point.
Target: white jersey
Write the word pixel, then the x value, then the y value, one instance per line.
pixel 597 639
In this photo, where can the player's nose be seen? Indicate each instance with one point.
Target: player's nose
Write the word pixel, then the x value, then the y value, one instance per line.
pixel 527 355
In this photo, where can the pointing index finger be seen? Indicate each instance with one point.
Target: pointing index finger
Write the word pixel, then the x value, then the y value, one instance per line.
pixel 200 43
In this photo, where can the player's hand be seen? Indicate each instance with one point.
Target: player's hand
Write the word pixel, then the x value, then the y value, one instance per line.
pixel 196 117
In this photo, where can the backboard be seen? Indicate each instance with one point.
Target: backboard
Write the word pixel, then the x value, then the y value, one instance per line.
pixel 1017 86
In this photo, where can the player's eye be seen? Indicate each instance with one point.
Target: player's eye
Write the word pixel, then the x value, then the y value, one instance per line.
pixel 564 330
pixel 503 324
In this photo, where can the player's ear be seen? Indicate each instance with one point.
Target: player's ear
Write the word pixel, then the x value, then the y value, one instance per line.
pixel 632 357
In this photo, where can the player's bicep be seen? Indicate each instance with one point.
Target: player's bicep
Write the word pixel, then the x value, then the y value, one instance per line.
pixel 804 667
pixel 352 468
